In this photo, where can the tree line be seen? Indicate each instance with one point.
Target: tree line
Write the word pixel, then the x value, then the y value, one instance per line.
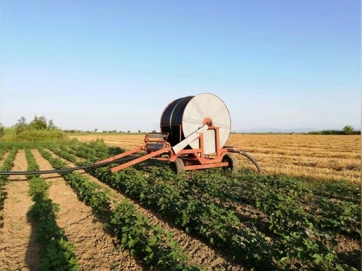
pixel 347 130
pixel 39 129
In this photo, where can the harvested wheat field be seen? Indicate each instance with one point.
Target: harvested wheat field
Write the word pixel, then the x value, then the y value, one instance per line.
pixel 327 157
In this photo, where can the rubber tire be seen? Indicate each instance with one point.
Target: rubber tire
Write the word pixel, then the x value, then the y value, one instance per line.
pixel 233 162
pixel 178 166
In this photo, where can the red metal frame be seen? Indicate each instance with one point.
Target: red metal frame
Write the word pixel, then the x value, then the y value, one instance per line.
pixel 156 147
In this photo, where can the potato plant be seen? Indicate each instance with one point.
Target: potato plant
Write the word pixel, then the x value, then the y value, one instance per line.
pixel 299 222
pixel 7 166
pixel 56 252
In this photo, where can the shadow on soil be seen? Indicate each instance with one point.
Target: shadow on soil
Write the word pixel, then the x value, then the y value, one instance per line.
pixel 352 258
pixel 33 248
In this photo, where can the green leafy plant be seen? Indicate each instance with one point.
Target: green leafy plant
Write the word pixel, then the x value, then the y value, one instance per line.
pixel 301 219
pixel 56 253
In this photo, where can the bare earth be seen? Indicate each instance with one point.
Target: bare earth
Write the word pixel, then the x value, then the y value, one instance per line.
pixel 18 248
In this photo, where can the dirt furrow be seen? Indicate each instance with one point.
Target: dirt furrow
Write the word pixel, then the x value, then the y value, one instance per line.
pixel 94 248
pixel 200 253
pixel 18 248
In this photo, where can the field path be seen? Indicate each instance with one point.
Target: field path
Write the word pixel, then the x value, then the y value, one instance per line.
pixel 94 248
pixel 18 247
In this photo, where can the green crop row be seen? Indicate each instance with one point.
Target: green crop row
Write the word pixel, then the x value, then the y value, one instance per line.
pixel 297 240
pixel 2 152
pixel 32 164
pixel 56 252
pixel 151 244
pixel 219 227
pixel 297 244
pixel 296 218
pixel 29 144
pixel 327 215
pixel 95 149
pixel 63 154
pixel 7 166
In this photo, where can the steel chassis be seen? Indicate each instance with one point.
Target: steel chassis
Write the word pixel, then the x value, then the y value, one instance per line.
pixel 156 147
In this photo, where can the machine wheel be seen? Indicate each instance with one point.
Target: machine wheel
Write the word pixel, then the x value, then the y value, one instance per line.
pixel 232 160
pixel 178 166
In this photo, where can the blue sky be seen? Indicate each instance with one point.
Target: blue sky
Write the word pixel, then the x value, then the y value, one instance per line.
pixel 115 65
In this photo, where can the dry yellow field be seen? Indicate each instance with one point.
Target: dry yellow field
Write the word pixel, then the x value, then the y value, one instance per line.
pixel 324 157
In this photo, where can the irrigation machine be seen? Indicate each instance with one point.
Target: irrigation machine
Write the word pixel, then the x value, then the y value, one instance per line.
pixel 194 130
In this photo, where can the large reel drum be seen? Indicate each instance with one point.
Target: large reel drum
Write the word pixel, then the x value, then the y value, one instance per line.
pixel 185 115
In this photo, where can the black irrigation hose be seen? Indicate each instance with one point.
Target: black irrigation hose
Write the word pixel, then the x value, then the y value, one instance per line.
pixel 62 170
pixel 251 159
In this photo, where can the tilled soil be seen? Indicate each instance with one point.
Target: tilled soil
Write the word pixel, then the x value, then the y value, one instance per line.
pixel 18 247
pixel 94 248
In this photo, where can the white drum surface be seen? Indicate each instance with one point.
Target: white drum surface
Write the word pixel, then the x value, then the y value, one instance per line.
pixel 206 106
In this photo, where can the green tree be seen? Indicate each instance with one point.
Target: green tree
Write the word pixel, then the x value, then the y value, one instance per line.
pixel 38 123
pixel 51 125
pixel 348 129
pixel 21 125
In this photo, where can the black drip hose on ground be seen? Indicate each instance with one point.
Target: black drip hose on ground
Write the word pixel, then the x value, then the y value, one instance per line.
pixel 62 170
